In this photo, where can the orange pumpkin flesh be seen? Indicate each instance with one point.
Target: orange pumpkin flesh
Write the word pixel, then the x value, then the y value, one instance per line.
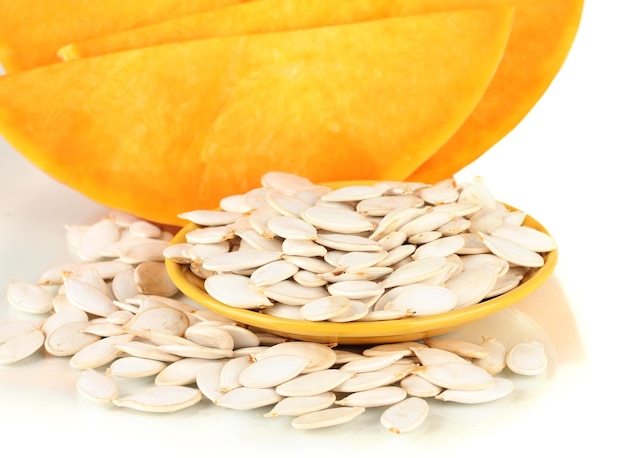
pixel 542 34
pixel 160 130
pixel 541 37
pixel 32 31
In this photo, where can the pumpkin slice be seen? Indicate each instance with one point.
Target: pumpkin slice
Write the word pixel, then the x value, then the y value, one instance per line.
pixel 161 130
pixel 31 31
pixel 260 17
pixel 542 35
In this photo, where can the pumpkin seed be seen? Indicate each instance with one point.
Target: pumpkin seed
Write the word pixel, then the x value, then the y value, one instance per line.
pixel 272 371
pixel 29 298
pixel 135 367
pixel 376 397
pixel 300 405
pixel 246 398
pixel 327 417
pixel 96 387
pixel 405 416
pixel 21 346
pixel 527 358
pixel 161 399
pixel 181 372
pixel 502 387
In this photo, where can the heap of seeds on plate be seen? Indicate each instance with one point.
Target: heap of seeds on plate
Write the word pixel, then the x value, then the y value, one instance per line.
pixel 116 315
pixel 361 252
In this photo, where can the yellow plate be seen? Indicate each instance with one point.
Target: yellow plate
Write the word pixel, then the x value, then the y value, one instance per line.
pixel 357 333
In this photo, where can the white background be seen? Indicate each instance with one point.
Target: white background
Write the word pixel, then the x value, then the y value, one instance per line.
pixel 562 164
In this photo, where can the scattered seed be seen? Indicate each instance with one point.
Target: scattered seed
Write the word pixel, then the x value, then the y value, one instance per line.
pixel 527 358
pixel 327 417
pixel 161 399
pixel 405 416
pixel 97 387
pixel 21 346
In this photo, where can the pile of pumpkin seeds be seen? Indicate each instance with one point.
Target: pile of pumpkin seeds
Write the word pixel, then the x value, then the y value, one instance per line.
pixel 385 251
pixel 114 313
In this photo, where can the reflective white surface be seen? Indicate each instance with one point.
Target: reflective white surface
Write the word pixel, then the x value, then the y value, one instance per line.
pixel 560 164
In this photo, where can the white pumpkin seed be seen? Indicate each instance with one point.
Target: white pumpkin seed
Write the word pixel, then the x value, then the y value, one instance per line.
pixel 68 339
pixel 96 237
pixel 272 273
pixel 161 399
pixel 210 217
pixel 21 346
pixel 162 319
pixel 272 371
pixel 96 387
pixel 321 355
pixel 365 381
pixel 15 328
pixel 327 417
pixel 526 236
pixel 337 220
pixel 429 356
pixel 441 247
pixel 414 271
pixel 135 367
pixel 371 363
pixel 300 405
pixel 512 251
pixel 347 242
pixel 88 298
pixel 236 291
pixel 245 398
pixel 527 358
pixel 195 351
pixel 424 300
pixel 457 346
pixel 152 278
pixel 355 311
pixel 285 182
pixel 403 348
pixel 376 397
pixel 502 387
pixel 405 416
pixel 146 350
pixel 314 383
pixel 240 260
pixel 382 205
pixel 181 372
pixel 99 353
pixel 67 315
pixel 458 376
pixel 356 289
pixel 209 335
pixel 495 361
pixel 229 375
pixel 324 308
pixel 419 387
pixel 208 379
pixel 292 293
pixel 472 286
pixel 29 298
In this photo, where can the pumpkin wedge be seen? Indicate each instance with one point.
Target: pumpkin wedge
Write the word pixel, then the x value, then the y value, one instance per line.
pixel 161 130
pixel 541 38
pixel 542 34
pixel 31 31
